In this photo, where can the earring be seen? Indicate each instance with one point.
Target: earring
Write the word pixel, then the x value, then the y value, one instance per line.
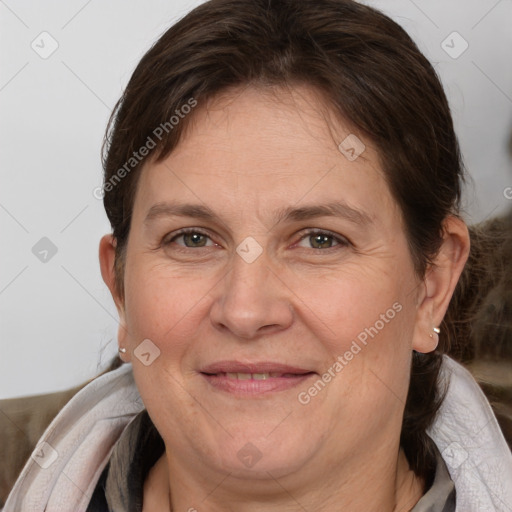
pixel 122 350
pixel 436 330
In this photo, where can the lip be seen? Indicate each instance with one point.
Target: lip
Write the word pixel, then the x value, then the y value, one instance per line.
pixel 291 376
pixel 260 367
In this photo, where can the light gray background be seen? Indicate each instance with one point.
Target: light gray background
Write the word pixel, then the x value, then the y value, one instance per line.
pixel 57 320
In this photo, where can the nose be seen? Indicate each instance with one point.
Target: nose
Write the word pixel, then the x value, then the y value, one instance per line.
pixel 251 300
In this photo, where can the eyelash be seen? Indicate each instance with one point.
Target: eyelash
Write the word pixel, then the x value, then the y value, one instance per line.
pixel 341 241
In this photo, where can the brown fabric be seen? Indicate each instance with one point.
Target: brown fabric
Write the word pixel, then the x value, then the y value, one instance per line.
pixel 22 423
pixel 495 379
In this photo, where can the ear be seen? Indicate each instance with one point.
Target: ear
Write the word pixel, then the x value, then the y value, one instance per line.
pixel 439 283
pixel 107 252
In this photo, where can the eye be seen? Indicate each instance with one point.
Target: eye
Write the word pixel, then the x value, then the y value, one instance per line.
pixel 190 237
pixel 320 239
pixel 195 238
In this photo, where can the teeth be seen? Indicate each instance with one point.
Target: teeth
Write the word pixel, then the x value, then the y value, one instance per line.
pixel 248 376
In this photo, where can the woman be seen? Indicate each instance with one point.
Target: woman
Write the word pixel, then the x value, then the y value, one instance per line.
pixel 283 184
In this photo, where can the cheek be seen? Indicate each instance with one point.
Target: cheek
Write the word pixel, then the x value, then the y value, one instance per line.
pixel 161 304
pixel 351 303
pixel 365 322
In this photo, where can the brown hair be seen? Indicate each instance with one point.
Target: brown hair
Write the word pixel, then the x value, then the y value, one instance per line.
pixel 371 74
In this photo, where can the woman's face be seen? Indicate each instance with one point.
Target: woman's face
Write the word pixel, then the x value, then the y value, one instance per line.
pixel 281 326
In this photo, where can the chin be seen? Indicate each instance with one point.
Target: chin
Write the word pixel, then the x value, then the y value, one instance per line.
pixel 251 455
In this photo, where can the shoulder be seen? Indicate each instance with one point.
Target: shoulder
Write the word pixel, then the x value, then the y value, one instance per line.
pixel 79 439
pixel 22 423
pixel 471 443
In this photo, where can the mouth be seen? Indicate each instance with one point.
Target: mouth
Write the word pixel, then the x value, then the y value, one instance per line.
pixel 254 379
pixel 255 376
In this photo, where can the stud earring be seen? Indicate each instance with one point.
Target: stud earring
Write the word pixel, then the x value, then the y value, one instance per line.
pixel 436 330
pixel 122 350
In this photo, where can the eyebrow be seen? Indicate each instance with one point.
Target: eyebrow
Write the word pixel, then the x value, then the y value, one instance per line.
pixel 288 214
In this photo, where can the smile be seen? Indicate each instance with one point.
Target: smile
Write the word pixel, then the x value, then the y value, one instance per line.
pixel 255 379
pixel 256 376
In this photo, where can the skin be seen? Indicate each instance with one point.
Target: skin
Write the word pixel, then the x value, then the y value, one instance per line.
pixel 301 302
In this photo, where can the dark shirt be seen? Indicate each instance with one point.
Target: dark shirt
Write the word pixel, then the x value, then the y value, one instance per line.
pixel 120 486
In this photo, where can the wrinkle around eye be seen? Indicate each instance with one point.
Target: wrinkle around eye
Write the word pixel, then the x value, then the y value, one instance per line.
pixel 170 244
pixel 166 241
pixel 340 240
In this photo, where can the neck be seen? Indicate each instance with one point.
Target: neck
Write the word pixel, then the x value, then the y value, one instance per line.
pixel 364 490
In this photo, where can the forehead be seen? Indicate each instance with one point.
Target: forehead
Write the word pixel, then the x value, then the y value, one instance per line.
pixel 252 122
pixel 255 150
